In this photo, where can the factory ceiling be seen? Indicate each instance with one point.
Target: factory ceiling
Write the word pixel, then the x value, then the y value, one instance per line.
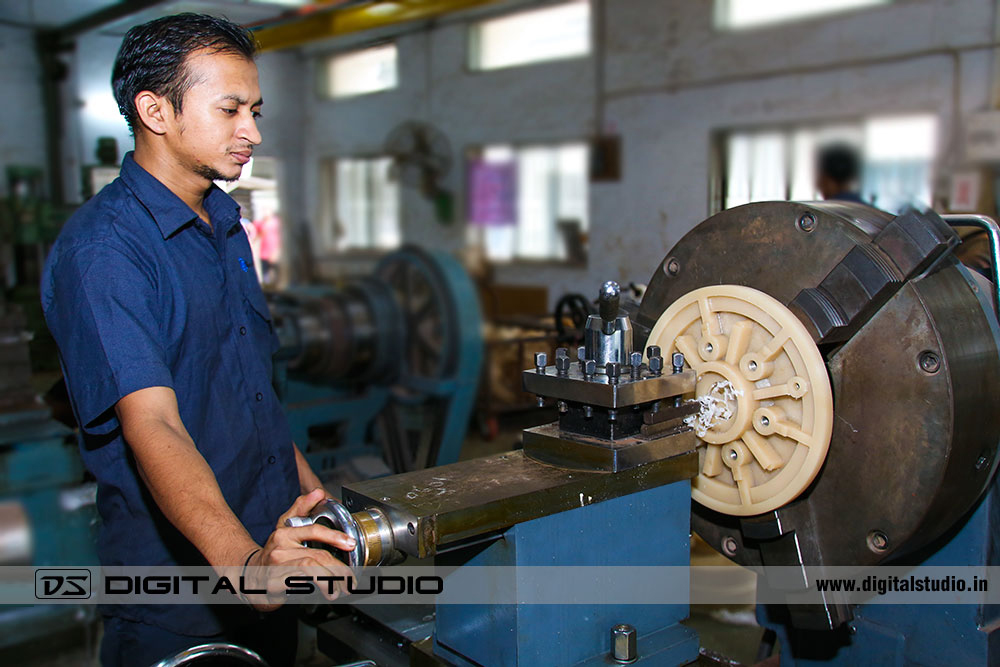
pixel 279 23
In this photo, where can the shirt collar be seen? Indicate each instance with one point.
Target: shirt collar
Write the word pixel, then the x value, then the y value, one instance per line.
pixel 167 209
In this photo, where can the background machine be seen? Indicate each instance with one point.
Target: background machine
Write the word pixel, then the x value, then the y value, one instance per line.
pixel 820 378
pixel 379 374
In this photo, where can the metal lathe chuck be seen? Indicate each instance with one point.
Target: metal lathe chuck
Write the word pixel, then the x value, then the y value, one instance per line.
pixel 846 368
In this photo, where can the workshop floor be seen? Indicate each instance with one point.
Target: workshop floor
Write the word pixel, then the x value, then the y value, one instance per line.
pixel 729 631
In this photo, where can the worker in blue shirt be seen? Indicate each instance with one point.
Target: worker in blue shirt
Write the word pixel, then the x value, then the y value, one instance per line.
pixel 165 341
pixel 838 167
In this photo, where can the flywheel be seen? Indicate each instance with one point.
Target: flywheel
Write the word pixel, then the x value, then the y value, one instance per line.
pixel 766 413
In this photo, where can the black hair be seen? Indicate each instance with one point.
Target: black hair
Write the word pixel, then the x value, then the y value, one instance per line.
pixel 841 162
pixel 152 56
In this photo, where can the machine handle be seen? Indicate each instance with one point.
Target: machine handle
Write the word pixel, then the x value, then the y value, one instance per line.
pixel 993 232
pixel 195 654
pixel 334 515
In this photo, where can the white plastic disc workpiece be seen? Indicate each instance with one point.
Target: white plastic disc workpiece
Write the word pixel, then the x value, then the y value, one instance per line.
pixel 766 405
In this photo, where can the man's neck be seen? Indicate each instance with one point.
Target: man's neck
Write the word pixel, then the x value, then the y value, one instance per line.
pixel 190 187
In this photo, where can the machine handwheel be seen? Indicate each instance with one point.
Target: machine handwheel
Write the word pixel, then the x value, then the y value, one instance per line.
pixel 766 405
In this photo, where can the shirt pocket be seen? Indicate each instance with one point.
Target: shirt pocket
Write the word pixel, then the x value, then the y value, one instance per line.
pixel 261 322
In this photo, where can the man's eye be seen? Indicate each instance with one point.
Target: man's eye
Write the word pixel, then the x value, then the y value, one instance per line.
pixel 256 114
pixel 229 111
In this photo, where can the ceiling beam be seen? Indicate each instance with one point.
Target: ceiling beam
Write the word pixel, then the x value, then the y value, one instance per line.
pixel 101 17
pixel 335 22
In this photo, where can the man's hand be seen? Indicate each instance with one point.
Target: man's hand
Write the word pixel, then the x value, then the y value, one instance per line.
pixel 285 547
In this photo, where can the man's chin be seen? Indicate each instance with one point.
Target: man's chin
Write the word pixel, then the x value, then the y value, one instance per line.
pixel 213 174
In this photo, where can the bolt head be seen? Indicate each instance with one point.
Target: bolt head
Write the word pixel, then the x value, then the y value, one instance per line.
pixel 589 367
pixel 677 360
pixel 652 351
pixel 614 369
pixel 610 289
pixel 806 222
pixel 541 360
pixel 562 364
pixel 581 353
pixel 562 352
pixel 635 359
pixel 729 545
pixel 656 364
pixel 623 643
pixel 930 362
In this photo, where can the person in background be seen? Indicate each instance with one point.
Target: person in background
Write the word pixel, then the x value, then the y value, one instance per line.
pixel 838 167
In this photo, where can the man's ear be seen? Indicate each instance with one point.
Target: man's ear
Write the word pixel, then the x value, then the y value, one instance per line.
pixel 154 111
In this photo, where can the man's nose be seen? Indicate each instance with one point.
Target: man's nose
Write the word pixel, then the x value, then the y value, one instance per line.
pixel 249 132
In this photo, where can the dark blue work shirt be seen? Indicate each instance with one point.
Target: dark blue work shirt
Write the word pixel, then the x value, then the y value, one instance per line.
pixel 139 292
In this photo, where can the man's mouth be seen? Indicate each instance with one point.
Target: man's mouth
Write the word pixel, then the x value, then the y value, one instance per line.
pixel 242 156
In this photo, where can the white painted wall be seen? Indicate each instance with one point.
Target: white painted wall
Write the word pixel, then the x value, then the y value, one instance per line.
pixel 97 115
pixel 22 137
pixel 671 80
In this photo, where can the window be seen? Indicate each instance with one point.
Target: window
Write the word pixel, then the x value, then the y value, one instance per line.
pixel 537 35
pixel 529 202
pixel 360 72
pixel 897 155
pixel 738 14
pixel 363 211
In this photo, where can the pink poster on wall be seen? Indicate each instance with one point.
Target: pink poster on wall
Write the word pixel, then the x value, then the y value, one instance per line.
pixel 492 192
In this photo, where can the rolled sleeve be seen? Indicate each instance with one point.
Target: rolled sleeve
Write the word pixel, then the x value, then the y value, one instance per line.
pixel 104 314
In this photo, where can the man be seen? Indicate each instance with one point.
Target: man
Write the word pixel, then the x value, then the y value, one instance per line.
pixel 838 167
pixel 165 341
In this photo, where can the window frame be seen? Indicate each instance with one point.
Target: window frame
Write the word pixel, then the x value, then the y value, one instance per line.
pixel 472 39
pixel 328 205
pixel 325 83
pixel 720 22
pixel 718 160
pixel 517 146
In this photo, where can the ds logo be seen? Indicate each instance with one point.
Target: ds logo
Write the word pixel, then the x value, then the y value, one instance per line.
pixel 62 584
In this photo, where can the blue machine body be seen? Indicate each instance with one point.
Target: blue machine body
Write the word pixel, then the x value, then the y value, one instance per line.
pixel 41 470
pixel 917 634
pixel 545 634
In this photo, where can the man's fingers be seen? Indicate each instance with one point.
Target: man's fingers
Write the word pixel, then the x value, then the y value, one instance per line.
pixel 324 495
pixel 314 533
pixel 302 505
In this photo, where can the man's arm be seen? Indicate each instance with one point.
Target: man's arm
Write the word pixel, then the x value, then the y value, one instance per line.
pixel 308 480
pixel 180 480
pixel 186 491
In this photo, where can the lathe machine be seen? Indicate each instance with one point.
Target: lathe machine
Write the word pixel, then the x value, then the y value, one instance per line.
pixel 819 379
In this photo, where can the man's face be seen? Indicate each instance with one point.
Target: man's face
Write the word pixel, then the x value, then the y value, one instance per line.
pixel 216 131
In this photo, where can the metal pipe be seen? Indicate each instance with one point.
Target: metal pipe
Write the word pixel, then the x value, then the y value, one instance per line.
pixel 993 232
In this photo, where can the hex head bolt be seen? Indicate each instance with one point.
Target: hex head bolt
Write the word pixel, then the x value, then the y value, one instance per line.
pixel 636 361
pixel 541 361
pixel 677 362
pixel 614 370
pixel 623 644
pixel 656 365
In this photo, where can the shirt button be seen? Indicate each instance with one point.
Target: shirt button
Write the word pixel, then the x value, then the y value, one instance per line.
pixel 260 396
pixel 243 331
pixel 271 459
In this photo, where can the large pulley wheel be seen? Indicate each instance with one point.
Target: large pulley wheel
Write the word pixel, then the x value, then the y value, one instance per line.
pixel 766 412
